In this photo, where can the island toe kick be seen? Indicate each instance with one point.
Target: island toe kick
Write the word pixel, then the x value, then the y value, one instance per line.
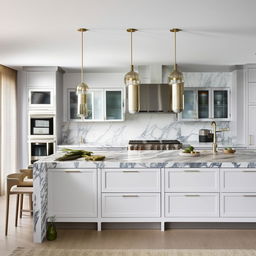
pixel 157 193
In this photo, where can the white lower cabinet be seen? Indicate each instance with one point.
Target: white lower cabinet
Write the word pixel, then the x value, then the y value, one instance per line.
pixel 130 205
pixel 238 180
pixel 72 193
pixel 192 180
pixel 240 205
pixel 131 180
pixel 192 205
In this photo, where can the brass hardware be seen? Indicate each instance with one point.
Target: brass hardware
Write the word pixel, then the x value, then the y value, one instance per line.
pixel 132 81
pixel 82 29
pixel 248 171
pixel 131 171
pixel 176 81
pixel 192 195
pixel 249 195
pixel 214 144
pixel 81 89
pixel 71 171
pixel 132 30
pixel 191 171
pixel 130 196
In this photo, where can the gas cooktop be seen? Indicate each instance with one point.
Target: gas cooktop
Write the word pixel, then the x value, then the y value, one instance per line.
pixel 154 145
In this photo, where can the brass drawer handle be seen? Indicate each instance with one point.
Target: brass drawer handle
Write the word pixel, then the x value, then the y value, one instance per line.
pixel 191 171
pixel 70 171
pixel 249 195
pixel 130 196
pixel 248 171
pixel 131 171
pixel 192 195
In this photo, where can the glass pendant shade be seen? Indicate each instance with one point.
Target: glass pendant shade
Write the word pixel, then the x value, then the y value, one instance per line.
pixel 132 81
pixel 81 91
pixel 176 81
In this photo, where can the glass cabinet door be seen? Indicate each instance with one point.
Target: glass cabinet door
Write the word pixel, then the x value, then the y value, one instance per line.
pixel 190 103
pixel 114 105
pixel 40 98
pixel 220 100
pixel 203 104
pixel 73 105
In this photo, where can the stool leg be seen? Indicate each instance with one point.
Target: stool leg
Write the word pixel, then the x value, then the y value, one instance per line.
pixel 21 205
pixel 7 213
pixel 17 210
pixel 31 204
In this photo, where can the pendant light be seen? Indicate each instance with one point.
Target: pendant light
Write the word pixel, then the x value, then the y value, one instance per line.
pixel 81 89
pixel 177 82
pixel 132 81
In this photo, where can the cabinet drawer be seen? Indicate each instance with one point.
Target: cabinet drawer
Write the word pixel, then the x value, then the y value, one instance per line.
pixel 192 180
pixel 192 205
pixel 238 205
pixel 129 180
pixel 130 205
pixel 237 180
pixel 72 193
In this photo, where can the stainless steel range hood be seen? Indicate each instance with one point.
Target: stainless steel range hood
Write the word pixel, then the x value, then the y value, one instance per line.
pixel 154 95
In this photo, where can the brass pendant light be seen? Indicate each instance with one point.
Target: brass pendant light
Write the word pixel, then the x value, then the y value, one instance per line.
pixel 132 81
pixel 81 89
pixel 177 82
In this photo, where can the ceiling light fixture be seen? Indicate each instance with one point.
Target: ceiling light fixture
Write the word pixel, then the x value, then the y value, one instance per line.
pixel 177 82
pixel 132 81
pixel 81 89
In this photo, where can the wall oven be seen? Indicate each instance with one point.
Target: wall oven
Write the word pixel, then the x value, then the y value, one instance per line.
pixel 41 149
pixel 41 126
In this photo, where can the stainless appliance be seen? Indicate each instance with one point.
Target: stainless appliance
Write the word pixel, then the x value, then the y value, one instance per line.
pixel 40 149
pixel 205 135
pixel 154 145
pixel 41 126
pixel 155 98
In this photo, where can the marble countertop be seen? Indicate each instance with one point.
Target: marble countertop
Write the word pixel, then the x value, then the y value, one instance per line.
pixel 159 159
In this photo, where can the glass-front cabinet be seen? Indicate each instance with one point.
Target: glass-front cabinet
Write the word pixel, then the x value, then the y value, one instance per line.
pixel 102 104
pixel 190 99
pixel 40 98
pixel 205 104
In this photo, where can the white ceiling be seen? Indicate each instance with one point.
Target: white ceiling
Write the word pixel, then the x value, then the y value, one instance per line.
pixel 43 32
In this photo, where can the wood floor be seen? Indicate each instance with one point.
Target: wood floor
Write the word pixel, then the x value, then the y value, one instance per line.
pixel 131 239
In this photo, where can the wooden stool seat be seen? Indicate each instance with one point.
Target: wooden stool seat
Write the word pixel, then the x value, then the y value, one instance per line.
pixel 22 190
pixel 16 185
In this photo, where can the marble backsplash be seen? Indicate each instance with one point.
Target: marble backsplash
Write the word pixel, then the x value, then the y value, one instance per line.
pixel 140 126
pixel 150 126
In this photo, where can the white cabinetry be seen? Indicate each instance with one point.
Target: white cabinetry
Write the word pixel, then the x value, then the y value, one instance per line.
pixel 250 108
pixel 72 193
pixel 130 205
pixel 206 104
pixel 192 205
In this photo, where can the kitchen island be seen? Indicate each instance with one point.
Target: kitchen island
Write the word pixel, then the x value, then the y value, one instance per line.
pixel 146 186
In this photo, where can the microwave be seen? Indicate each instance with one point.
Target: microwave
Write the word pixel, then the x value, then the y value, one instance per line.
pixel 41 126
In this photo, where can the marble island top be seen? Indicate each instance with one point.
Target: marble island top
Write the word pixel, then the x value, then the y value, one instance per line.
pixel 159 159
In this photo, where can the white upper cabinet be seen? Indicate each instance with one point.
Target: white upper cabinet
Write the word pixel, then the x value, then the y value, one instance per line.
pixel 41 79
pixel 205 104
pixel 102 104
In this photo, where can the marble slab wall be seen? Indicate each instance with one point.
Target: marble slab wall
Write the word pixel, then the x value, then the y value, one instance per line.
pixel 150 126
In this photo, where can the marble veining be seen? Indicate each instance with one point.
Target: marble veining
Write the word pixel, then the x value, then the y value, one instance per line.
pixel 151 126
pixel 127 159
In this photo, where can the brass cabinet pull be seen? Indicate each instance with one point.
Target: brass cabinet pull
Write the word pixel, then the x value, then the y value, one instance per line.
pixel 248 171
pixel 130 196
pixel 192 195
pixel 249 195
pixel 131 171
pixel 191 171
pixel 71 171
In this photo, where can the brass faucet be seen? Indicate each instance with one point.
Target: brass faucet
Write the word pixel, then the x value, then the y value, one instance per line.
pixel 214 144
